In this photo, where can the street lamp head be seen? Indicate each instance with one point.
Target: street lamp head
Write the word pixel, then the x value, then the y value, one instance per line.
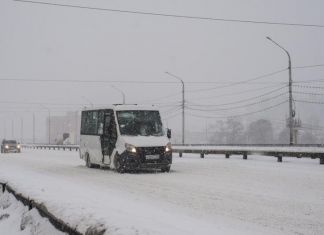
pixel 269 38
pixel 119 90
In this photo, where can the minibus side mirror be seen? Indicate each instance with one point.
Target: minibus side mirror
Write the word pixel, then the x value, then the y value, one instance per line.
pixel 169 133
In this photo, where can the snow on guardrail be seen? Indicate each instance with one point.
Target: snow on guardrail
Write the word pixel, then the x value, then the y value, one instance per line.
pixel 279 151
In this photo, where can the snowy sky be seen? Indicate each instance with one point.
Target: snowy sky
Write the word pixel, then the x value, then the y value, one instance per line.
pixel 57 43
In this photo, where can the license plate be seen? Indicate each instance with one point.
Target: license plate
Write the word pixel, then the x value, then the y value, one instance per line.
pixel 152 157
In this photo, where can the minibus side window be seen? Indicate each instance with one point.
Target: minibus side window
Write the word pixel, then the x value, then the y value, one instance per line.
pixel 83 122
pixel 89 123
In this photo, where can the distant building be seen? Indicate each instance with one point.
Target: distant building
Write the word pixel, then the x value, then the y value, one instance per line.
pixel 63 125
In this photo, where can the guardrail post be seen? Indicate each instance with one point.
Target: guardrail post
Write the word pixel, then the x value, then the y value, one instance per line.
pixel 322 160
pixel 180 154
pixel 245 156
pixel 202 155
pixel 279 158
pixel 227 155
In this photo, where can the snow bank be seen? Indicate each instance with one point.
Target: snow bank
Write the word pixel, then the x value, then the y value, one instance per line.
pixel 16 219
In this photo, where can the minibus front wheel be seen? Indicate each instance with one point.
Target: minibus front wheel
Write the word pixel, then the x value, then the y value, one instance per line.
pixel 166 169
pixel 119 164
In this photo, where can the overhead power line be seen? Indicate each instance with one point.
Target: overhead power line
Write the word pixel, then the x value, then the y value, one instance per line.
pixel 231 93
pixel 82 81
pixel 309 101
pixel 240 101
pixel 309 87
pixel 310 81
pixel 240 115
pixel 40 103
pixel 160 14
pixel 173 114
pixel 241 82
pixel 171 110
pixel 170 104
pixel 308 93
pixel 308 66
pixel 227 83
pixel 240 106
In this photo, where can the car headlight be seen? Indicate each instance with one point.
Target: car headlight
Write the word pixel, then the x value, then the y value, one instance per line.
pixel 168 147
pixel 18 146
pixel 130 148
pixel 6 146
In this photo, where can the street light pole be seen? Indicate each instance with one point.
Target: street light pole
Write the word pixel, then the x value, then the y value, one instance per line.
pixel 291 111
pixel 123 94
pixel 183 104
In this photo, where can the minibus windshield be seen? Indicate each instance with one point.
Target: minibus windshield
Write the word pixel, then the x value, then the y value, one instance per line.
pixel 143 123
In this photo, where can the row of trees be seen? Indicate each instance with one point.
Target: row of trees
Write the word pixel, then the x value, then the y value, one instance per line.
pixel 232 131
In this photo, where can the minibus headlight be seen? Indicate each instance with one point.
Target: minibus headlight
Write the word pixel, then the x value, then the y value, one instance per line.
pixel 7 146
pixel 130 148
pixel 18 146
pixel 168 147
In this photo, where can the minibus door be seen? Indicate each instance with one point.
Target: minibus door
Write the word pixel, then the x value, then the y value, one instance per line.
pixel 109 136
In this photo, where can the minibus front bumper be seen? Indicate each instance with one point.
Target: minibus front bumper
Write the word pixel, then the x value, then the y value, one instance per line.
pixel 147 158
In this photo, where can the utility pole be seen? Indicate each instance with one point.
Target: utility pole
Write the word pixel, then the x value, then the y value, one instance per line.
pixel 291 111
pixel 183 104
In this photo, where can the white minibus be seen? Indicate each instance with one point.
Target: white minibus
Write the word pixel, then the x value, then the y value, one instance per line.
pixel 125 137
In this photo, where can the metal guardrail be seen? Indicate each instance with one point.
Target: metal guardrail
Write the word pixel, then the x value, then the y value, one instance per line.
pixel 278 151
pixel 51 146
pixel 255 145
pixel 275 150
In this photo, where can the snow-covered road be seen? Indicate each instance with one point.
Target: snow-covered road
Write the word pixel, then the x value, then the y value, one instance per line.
pixel 199 196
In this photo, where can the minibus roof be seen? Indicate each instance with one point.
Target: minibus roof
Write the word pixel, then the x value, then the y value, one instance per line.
pixel 119 107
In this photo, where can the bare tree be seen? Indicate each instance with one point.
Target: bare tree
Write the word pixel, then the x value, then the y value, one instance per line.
pixel 260 132
pixel 229 132
pixel 235 130
pixel 307 137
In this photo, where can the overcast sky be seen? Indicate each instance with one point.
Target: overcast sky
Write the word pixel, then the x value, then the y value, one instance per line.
pixel 59 43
